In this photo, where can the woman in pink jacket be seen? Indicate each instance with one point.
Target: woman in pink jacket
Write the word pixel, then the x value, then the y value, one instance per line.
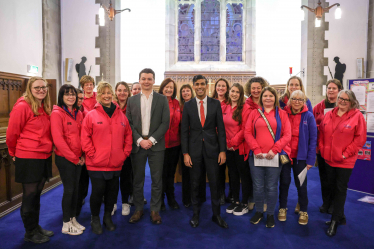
pixel 66 122
pixel 29 142
pixel 107 142
pixel 341 133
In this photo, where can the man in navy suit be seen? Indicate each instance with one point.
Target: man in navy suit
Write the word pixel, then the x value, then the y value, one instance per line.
pixel 203 141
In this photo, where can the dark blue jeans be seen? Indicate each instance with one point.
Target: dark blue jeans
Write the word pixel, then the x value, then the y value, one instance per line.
pixel 285 181
pixel 265 185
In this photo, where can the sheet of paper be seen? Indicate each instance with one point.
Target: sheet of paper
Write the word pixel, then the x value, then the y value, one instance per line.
pixel 370 122
pixel 360 92
pixel 370 104
pixel 371 86
pixel 327 110
pixel 302 175
pixel 368 199
pixel 267 163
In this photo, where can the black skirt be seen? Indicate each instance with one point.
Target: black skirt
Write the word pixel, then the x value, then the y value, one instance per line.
pixel 32 170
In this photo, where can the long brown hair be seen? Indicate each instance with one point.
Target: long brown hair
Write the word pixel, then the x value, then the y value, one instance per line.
pixel 287 92
pixel 182 101
pixel 215 94
pixel 163 85
pixel 30 99
pixel 237 115
pixel 125 85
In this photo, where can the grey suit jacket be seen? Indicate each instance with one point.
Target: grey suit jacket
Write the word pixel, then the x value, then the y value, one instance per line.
pixel 160 118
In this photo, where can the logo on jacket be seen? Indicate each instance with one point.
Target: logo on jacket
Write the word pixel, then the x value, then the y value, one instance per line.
pixel 69 123
pixel 305 122
pixel 123 124
pixel 347 126
pixel 99 122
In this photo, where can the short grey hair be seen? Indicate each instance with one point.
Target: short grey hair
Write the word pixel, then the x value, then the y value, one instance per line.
pixel 352 98
pixel 296 93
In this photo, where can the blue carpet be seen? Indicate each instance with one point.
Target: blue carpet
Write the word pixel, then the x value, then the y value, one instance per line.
pixel 175 231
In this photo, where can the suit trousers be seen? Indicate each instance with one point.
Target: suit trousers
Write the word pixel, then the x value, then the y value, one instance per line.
pixel 338 179
pixel 196 173
pixel 155 161
pixel 326 192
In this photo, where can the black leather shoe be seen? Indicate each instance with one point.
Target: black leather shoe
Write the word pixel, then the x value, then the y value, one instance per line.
pixel 173 204
pixel 108 223
pixel 219 221
pixel 222 200
pixel 187 205
pixel 331 231
pixel 343 221
pixel 194 222
pixel 45 232
pixel 35 237
pixel 323 209
pixel 95 225
pixel 163 207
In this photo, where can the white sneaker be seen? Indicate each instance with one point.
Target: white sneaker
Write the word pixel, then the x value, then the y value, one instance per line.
pixel 68 228
pixel 125 209
pixel 76 224
pixel 114 209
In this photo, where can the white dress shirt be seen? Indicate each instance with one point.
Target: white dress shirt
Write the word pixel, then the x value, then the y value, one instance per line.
pixel 145 109
pixel 205 101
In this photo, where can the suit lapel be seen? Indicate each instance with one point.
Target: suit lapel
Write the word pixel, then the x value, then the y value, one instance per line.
pixel 138 105
pixel 154 103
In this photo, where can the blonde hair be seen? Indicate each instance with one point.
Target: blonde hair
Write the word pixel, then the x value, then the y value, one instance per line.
pixel 287 92
pixel 30 99
pixel 296 93
pixel 85 79
pixel 101 87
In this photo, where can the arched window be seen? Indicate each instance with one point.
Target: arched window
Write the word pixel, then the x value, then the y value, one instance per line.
pixel 186 32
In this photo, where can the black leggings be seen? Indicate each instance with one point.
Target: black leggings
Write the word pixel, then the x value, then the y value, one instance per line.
pixel 70 175
pixel 126 180
pixel 31 204
pixel 107 188
pixel 168 171
pixel 84 182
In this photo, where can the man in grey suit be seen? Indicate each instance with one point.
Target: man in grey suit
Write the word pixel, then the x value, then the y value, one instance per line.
pixel 148 115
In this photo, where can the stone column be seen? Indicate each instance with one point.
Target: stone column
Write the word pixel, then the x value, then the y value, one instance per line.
pixel 197 35
pixel 222 19
pixel 249 44
pixel 171 33
pixel 370 45
pixel 313 61
pixel 51 16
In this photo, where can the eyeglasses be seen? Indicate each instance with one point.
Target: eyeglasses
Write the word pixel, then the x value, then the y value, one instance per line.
pixel 38 88
pixel 297 100
pixel 344 100
pixel 80 99
pixel 70 95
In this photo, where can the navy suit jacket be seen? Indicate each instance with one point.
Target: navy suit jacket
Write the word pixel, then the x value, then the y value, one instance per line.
pixel 212 135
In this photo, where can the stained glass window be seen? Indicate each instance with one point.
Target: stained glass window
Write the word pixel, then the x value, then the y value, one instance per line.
pixel 234 32
pixel 186 32
pixel 210 30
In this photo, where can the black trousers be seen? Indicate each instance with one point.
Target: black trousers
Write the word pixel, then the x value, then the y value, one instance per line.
pixel 30 208
pixel 239 170
pixel 338 179
pixel 84 182
pixel 107 188
pixel 196 172
pixel 326 192
pixel 70 175
pixel 126 180
pixel 168 171
pixel 285 181
pixel 186 184
pixel 222 180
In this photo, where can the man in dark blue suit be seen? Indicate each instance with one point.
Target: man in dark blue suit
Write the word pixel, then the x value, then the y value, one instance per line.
pixel 203 141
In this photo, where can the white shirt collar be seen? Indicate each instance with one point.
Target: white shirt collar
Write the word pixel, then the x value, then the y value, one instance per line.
pixel 204 100
pixel 141 92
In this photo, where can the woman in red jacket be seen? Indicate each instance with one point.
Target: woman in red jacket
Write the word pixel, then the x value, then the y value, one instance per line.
pixel 233 113
pixel 341 133
pixel 107 142
pixel 172 143
pixel 66 122
pixel 221 92
pixel 263 146
pixel 253 88
pixel 333 88
pixel 88 84
pixel 122 93
pixel 29 142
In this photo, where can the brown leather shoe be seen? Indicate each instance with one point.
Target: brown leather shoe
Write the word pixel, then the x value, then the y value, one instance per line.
pixel 155 217
pixel 136 216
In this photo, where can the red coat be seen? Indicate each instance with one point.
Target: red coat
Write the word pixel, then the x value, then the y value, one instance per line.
pixel 340 136
pixel 319 114
pixel 234 131
pixel 106 141
pixel 89 103
pixel 172 135
pixel 263 143
pixel 28 135
pixel 295 127
pixel 124 108
pixel 66 134
pixel 250 106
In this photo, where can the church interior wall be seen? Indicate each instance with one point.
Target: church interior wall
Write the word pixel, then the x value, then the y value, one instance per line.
pixel 22 36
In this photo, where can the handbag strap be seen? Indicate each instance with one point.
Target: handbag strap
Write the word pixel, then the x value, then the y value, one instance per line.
pixel 267 122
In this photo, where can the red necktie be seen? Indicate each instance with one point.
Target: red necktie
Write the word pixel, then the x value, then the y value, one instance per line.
pixel 202 114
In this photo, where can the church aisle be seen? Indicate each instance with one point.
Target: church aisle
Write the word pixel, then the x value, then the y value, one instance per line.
pixel 175 231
